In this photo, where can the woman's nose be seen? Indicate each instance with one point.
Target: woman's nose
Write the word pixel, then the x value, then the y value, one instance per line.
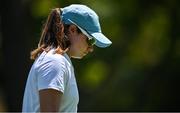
pixel 90 48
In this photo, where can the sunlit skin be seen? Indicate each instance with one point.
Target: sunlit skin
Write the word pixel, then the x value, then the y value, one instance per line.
pixel 79 46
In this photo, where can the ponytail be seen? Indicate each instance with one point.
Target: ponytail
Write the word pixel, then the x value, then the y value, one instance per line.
pixel 53 35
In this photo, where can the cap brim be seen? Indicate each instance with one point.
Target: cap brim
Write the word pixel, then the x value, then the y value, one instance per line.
pixel 101 40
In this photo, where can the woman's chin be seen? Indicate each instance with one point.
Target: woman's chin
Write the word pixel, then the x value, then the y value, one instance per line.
pixel 77 57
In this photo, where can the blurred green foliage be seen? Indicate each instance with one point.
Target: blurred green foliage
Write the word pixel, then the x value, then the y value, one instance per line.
pixel 114 79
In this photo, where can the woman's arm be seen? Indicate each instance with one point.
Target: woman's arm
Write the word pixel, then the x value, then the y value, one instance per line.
pixel 50 100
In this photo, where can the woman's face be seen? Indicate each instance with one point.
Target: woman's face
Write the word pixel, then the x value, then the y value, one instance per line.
pixel 79 45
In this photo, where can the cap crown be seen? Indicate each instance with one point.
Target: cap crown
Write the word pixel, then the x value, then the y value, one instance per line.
pixel 86 19
pixel 83 16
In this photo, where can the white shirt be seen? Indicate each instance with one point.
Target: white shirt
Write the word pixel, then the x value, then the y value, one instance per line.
pixel 51 71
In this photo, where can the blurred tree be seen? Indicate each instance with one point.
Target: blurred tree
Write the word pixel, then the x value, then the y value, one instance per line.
pixel 14 19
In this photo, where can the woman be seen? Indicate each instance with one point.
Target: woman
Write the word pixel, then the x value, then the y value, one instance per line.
pixel 69 32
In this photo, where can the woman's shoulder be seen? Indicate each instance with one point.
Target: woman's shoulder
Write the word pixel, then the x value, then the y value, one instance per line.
pixel 52 56
pixel 50 59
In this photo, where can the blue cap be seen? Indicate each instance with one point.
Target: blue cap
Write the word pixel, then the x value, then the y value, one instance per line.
pixel 85 18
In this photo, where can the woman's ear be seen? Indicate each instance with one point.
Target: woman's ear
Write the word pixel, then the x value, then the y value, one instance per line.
pixel 72 29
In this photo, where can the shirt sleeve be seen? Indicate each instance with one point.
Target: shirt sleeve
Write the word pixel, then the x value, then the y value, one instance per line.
pixel 51 75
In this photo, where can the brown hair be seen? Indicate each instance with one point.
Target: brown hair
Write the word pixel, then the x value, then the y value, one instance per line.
pixel 53 35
